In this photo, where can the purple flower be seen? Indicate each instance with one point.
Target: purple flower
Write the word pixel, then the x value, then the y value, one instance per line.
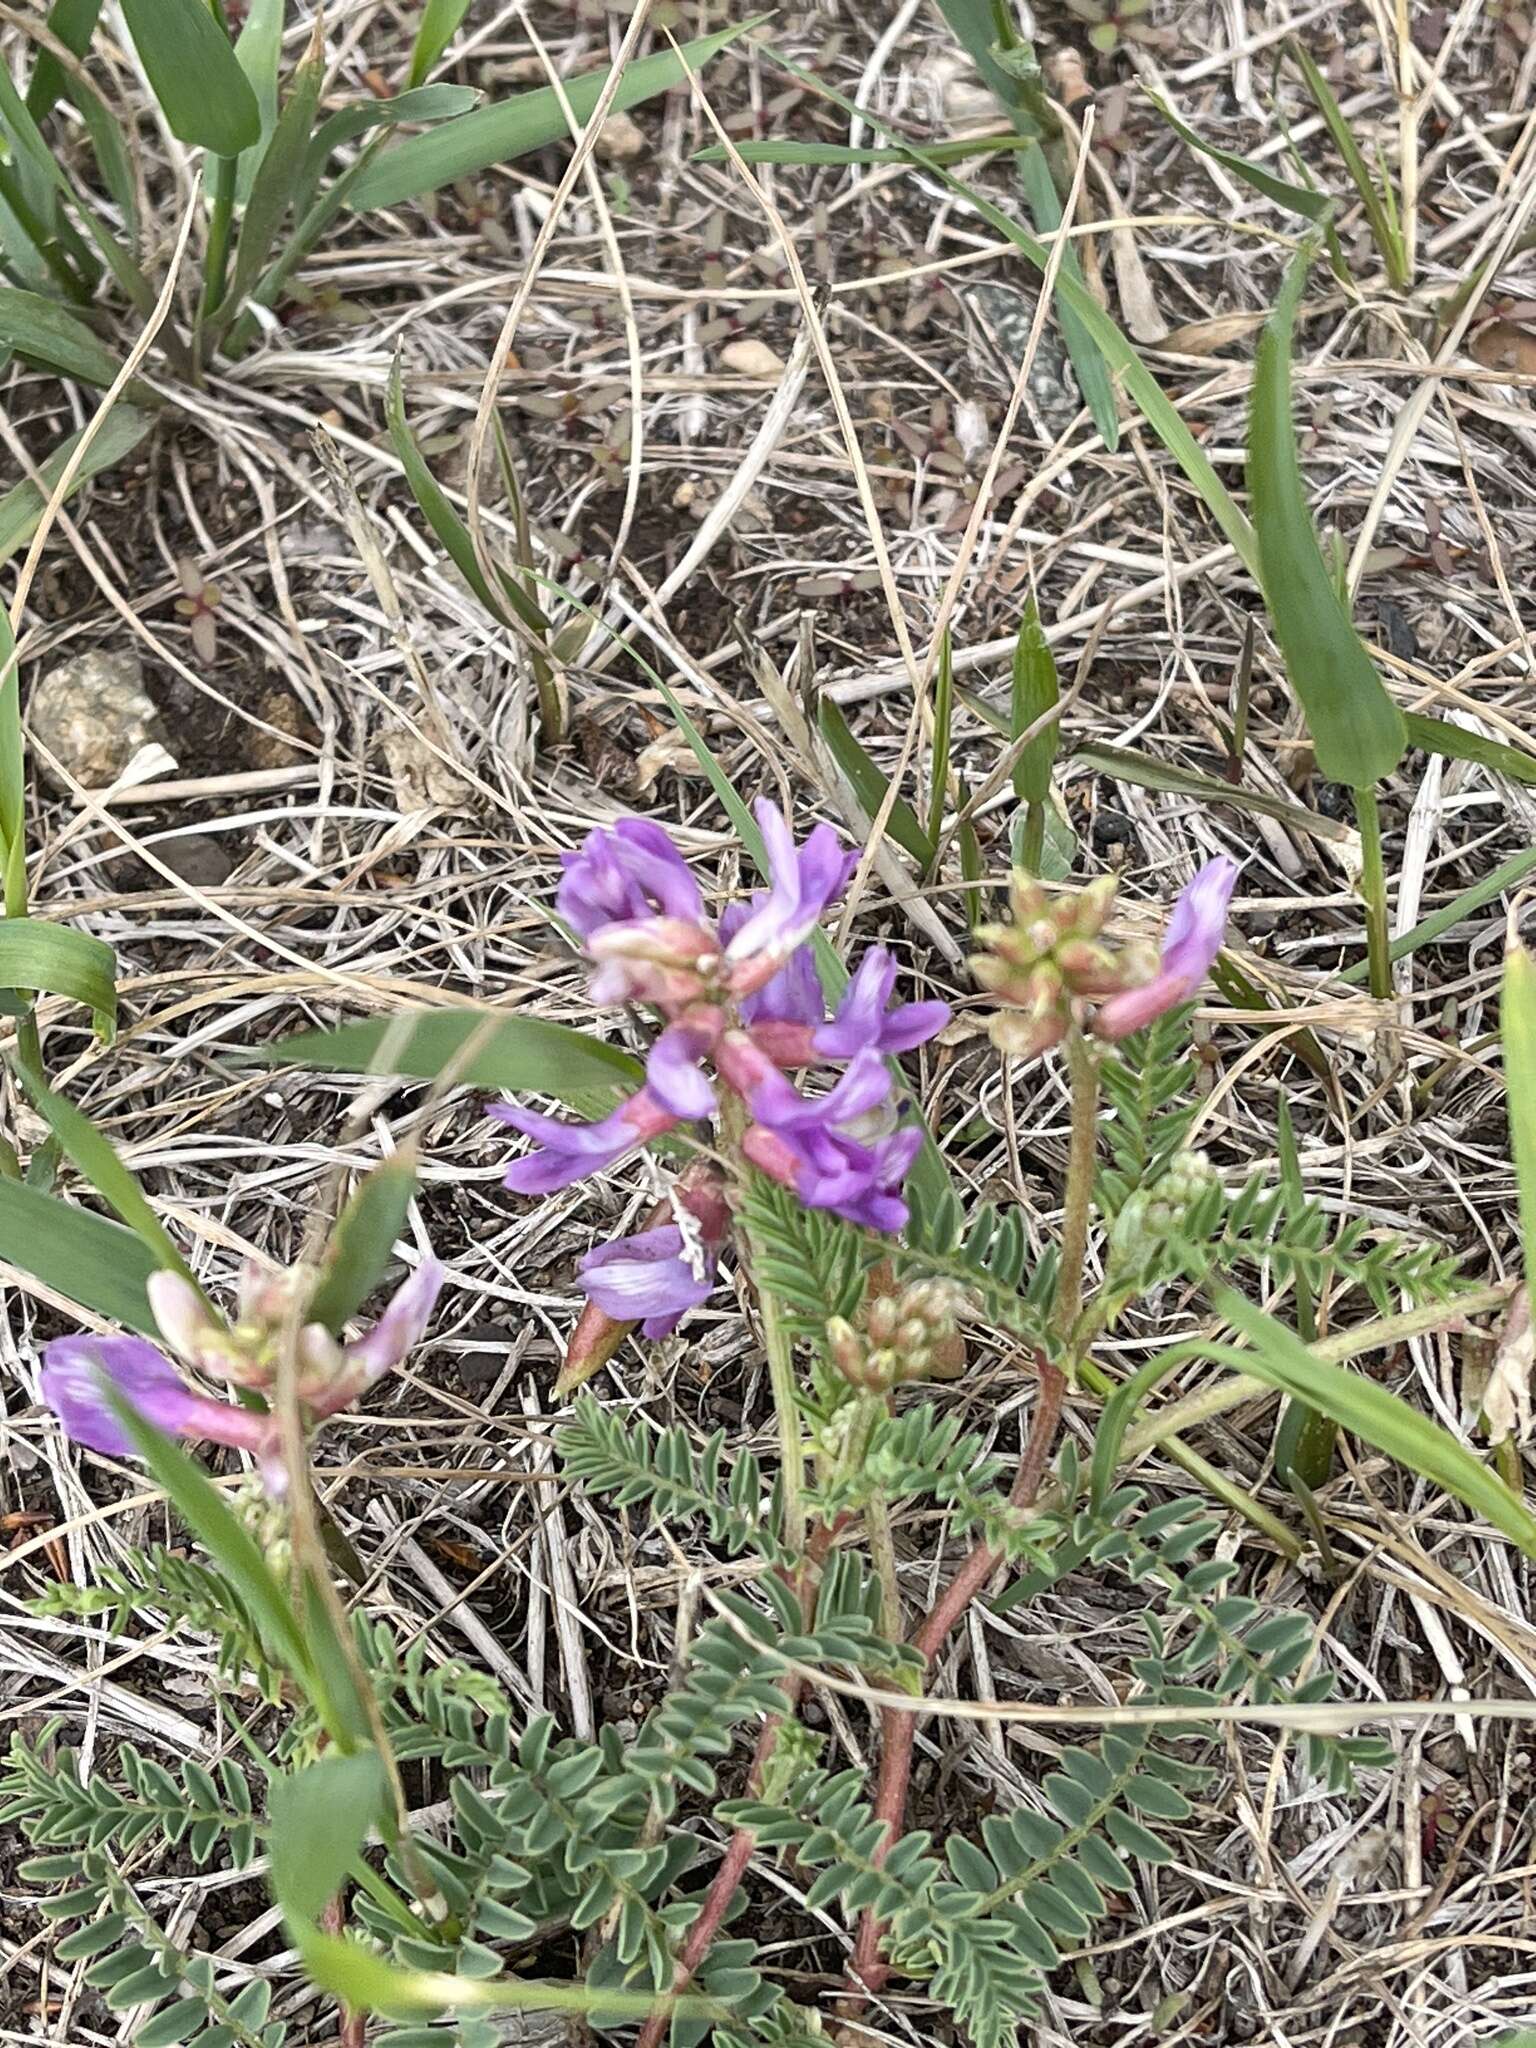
pixel 864 1019
pixel 802 882
pixel 648 1276
pixel 1190 945
pixel 632 871
pixel 78 1370
pixel 672 1073
pixel 841 1151
pixel 793 996
pixel 571 1151
pixel 401 1327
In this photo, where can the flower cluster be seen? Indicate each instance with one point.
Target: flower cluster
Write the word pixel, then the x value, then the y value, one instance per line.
pixel 902 1337
pixel 746 999
pixel 81 1373
pixel 1053 960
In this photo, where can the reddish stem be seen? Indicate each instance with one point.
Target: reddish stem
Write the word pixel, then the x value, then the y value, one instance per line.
pixel 898 1727
pixel 738 1854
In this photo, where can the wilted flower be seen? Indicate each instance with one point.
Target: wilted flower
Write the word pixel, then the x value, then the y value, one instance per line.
pixel 81 1372
pixel 747 999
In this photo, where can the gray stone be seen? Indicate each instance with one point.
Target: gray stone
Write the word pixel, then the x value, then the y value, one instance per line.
pixel 198 858
pixel 92 713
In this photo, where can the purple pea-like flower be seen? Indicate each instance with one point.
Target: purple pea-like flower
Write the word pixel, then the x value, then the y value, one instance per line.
pixel 802 882
pixel 82 1373
pixel 569 1152
pixel 633 871
pixel 793 995
pixel 865 1018
pixel 648 1278
pixel 1190 945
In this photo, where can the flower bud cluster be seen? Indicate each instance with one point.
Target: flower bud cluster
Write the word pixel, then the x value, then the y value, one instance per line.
pixel 900 1338
pixel 1154 1215
pixel 1051 953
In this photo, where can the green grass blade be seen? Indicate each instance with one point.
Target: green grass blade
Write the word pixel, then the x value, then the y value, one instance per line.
pixel 319 1818
pixel 259 53
pixel 1036 690
pixel 531 120
pixel 1508 875
pixel 1382 214
pixel 524 1055
pixel 363 1242
pixel 425 103
pixel 276 179
pixel 194 73
pixel 1357 731
pixel 1302 200
pixel 869 783
pixel 72 23
pixel 93 1155
pixel 58 960
pixel 37 327
pixel 22 506
pixel 1517 1027
pixel 1455 743
pixel 78 1254
pixel 13 753
pixel 437 28
pixel 943 720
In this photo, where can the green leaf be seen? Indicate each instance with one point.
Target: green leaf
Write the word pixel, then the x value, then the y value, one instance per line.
pixel 438 26
pixel 194 73
pixel 22 506
pixel 1357 731
pixel 58 960
pixel 277 175
pixel 363 1242
pixel 425 103
pixel 1036 690
pixel 1456 743
pixel 451 532
pixel 259 53
pixel 228 1542
pixel 38 328
pixel 13 759
pixel 1379 208
pixel 1298 199
pixel 524 1055
pixel 79 1254
pixel 318 1819
pixel 869 784
pixel 531 120
pixel 92 1152
pixel 1507 876
pixel 1517 1027
pixel 73 23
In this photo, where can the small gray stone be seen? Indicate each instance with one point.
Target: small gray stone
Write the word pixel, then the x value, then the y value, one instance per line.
pixel 92 713
pixel 198 858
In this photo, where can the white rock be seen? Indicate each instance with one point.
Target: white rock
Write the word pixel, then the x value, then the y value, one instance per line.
pixel 750 359
pixel 621 139
pixel 93 714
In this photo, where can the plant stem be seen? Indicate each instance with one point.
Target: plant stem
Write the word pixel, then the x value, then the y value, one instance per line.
pixel 898 1728
pixel 781 1378
pixel 1373 889
pixel 1083 1066
pixel 220 221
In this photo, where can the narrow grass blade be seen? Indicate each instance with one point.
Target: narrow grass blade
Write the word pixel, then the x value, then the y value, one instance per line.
pixel 42 330
pixel 1507 876
pixel 72 23
pixel 530 120
pixel 259 52
pixel 869 783
pixel 194 73
pixel 437 28
pixel 1357 731
pixel 812 154
pixel 1036 690
pixel 1517 1027
pixel 943 720
pixel 363 1242
pixel 227 1541
pixel 276 178
pixel 58 960
pixel 13 758
pixel 426 103
pixel 524 1055
pixel 1304 1440
pixel 78 1254
pixel 1379 211
pixel 1455 743
pixel 93 1154
pixel 1302 200
pixel 22 506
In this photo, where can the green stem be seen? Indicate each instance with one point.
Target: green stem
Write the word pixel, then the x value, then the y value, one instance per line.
pixel 1083 1066
pixel 1373 889
pixel 220 223
pixel 781 1378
